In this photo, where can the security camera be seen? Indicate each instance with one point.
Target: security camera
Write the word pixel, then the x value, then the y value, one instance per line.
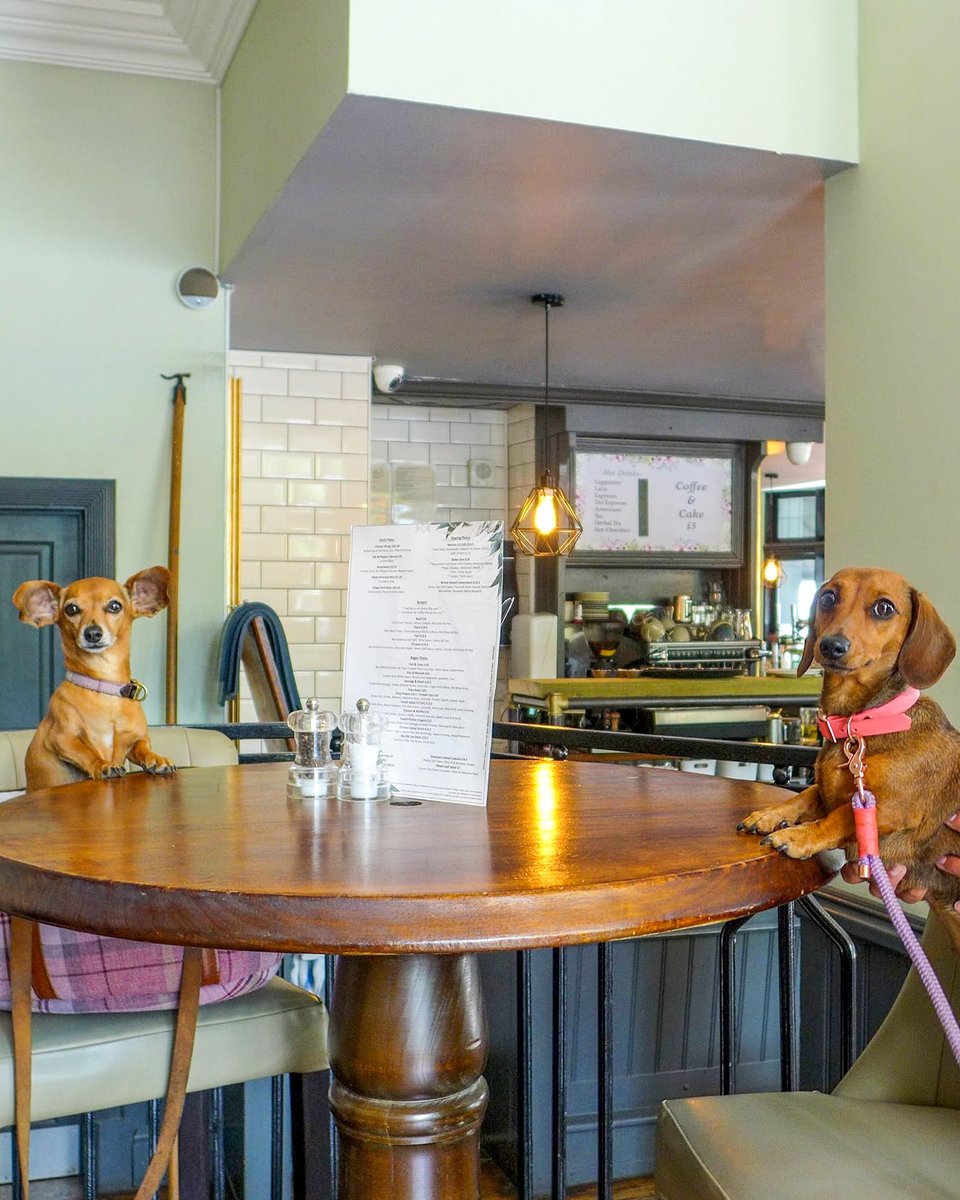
pixel 388 376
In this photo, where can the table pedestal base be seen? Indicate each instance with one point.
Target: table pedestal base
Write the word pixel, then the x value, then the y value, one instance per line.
pixel 407 1048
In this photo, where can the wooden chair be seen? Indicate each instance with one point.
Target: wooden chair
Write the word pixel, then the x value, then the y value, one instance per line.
pixel 890 1129
pixel 93 1061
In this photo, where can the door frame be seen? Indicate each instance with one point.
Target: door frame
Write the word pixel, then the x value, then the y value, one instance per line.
pixel 93 499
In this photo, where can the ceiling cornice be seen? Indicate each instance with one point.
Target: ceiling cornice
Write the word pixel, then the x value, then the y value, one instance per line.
pixel 453 392
pixel 175 39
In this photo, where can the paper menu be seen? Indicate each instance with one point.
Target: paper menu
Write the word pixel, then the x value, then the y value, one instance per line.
pixel 423 626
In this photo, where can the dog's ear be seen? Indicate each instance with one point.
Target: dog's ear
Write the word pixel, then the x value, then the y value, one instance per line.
pixel 149 591
pixel 38 601
pixel 929 646
pixel 806 658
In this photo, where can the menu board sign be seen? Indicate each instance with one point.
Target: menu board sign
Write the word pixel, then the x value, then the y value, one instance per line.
pixel 657 501
pixel 423 626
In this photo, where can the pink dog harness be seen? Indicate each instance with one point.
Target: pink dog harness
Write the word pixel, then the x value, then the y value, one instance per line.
pixel 885 718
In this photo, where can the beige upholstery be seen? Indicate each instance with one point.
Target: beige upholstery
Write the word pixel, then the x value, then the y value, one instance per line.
pixel 890 1130
pixel 93 1060
pixel 186 747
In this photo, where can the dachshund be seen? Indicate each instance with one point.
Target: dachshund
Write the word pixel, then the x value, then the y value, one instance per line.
pixel 877 638
pixel 95 721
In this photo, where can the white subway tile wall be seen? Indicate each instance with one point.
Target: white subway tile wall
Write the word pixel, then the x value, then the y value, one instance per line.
pixel 465 448
pixel 305 465
pixel 309 439
pixel 521 476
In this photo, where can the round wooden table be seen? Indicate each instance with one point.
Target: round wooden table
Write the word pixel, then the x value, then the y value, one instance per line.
pixel 406 892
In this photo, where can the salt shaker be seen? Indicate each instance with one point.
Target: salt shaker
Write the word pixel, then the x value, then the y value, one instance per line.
pixel 362 776
pixel 313 772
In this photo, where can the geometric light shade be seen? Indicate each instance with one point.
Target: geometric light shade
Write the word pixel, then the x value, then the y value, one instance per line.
pixel 547 525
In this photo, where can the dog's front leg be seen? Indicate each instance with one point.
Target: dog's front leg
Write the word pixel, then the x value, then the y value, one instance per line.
pixel 85 758
pixel 805 806
pixel 141 755
pixel 803 841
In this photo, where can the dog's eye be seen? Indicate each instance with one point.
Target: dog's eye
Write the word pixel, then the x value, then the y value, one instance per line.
pixel 827 601
pixel 71 610
pixel 114 606
pixel 884 609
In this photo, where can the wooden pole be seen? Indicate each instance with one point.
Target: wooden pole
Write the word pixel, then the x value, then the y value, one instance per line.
pixel 173 550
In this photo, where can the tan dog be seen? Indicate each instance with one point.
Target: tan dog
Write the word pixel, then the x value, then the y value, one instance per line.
pixel 95 722
pixel 875 635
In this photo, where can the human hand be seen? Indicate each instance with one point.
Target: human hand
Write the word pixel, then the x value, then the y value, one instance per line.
pixel 948 863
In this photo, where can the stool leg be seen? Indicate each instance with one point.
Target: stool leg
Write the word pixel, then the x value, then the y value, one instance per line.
pixel 194 1148
pixel 310 1136
pixel 88 1156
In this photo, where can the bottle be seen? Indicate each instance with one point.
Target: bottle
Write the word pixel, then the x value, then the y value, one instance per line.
pixel 313 773
pixel 362 776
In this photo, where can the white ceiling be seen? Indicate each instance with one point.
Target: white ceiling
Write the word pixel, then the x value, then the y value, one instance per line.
pixel 179 39
pixel 417 233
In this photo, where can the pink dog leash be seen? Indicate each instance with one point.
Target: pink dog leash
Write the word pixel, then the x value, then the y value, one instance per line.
pixel 865 814
pixel 886 718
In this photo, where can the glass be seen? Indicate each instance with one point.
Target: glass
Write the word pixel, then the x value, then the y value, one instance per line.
pixel 809 733
pixel 796 517
pixel 362 775
pixel 795 594
pixel 603 638
pixel 313 772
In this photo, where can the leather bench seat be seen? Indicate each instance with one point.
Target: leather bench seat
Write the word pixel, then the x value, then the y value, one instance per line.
pixel 806 1146
pixel 94 1060
pixel 890 1130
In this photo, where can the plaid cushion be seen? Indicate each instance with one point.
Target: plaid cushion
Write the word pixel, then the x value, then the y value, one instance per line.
pixel 91 973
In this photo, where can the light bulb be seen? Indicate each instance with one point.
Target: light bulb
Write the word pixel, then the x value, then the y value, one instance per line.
pixel 771 571
pixel 545 516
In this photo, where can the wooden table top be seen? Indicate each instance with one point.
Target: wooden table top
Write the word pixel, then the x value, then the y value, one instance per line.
pixel 563 853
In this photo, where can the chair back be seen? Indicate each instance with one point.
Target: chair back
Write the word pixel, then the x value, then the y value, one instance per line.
pixel 184 746
pixel 908 1060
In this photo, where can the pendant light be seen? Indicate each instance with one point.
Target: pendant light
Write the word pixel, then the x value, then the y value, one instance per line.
pixel 547 525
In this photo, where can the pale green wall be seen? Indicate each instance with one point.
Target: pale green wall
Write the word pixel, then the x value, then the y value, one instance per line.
pixel 772 74
pixel 893 312
pixel 107 192
pixel 285 82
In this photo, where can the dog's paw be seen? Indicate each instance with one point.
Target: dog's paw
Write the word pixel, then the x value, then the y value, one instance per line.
pixel 794 842
pixel 764 820
pixel 104 770
pixel 159 766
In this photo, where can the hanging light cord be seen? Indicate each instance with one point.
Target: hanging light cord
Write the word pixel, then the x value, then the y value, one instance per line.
pixel 548 300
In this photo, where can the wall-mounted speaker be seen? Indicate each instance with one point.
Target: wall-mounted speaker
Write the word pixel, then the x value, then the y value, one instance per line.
pixel 197 287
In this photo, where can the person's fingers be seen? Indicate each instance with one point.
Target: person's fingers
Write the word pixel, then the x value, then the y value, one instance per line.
pixel 896 873
pixel 949 863
pixel 954 821
pixel 850 873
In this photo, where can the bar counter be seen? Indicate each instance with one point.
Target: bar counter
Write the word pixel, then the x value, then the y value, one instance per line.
pixel 649 692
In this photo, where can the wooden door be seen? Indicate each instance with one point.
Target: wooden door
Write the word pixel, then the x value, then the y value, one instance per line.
pixel 59 529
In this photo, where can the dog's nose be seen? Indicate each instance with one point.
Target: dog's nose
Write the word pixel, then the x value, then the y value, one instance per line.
pixel 834 647
pixel 93 634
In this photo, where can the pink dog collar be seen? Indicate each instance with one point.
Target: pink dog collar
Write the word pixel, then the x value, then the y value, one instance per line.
pixel 134 690
pixel 885 718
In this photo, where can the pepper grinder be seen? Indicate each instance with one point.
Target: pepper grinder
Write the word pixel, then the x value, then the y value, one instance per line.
pixel 313 773
pixel 362 776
